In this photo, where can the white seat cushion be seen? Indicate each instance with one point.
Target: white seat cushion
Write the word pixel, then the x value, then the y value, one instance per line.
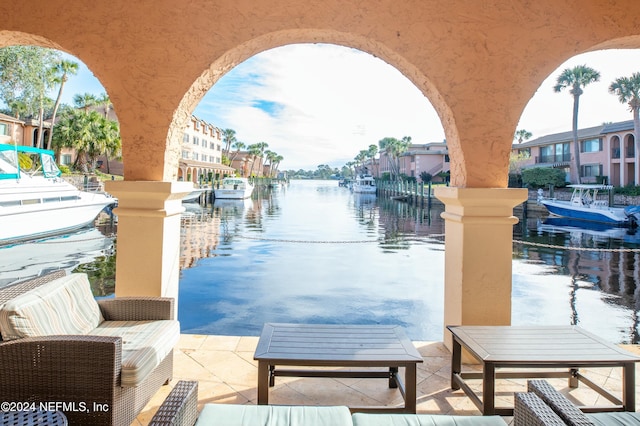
pixel 144 345
pixel 63 306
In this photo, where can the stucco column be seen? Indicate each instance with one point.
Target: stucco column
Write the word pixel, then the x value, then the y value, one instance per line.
pixel 478 254
pixel 148 244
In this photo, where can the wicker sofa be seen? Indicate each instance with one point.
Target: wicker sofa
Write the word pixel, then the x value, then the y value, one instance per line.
pixel 52 354
pixel 180 408
pixel 542 405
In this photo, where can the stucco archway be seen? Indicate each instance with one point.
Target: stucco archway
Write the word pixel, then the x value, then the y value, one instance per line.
pixel 478 62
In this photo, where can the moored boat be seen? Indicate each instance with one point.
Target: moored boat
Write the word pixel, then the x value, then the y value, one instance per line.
pixel 234 188
pixel 364 184
pixel 35 201
pixel 591 203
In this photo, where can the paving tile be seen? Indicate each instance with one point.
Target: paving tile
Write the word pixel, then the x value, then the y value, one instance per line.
pixel 227 373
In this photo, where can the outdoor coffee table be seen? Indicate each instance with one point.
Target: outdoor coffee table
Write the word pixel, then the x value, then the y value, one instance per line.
pixel 305 345
pixel 564 348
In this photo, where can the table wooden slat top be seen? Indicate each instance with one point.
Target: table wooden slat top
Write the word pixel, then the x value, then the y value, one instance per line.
pixel 539 345
pixel 310 344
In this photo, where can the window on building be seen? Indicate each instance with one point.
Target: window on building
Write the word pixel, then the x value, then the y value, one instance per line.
pixel 196 125
pixel 196 156
pixel 196 140
pixel 591 145
pixel 185 154
pixel 185 138
pixel 555 153
pixel 212 146
pixel 4 129
pixel 591 170
pixel 65 159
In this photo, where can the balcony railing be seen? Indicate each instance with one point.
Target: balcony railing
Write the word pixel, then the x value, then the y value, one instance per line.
pixel 553 158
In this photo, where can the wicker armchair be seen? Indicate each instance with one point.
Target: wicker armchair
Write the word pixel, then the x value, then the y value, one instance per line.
pixel 180 407
pixel 80 374
pixel 543 405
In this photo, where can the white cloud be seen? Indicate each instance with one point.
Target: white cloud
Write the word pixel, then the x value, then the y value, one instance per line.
pixel 331 102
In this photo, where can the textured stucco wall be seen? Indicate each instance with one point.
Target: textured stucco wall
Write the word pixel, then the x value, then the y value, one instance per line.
pixel 479 62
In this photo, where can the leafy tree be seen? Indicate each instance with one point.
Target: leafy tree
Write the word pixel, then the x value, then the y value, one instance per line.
pixel 575 79
pixel 426 177
pixel 26 76
pixel 61 71
pixel 516 160
pixel 522 135
pixel 628 91
pixel 539 177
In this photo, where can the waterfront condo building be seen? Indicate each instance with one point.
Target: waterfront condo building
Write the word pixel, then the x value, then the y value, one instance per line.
pixel 607 153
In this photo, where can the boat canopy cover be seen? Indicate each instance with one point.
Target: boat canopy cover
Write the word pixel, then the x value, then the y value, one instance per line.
pixel 10 161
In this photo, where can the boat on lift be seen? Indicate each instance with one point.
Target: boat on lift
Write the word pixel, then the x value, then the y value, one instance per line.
pixel 36 202
pixel 590 202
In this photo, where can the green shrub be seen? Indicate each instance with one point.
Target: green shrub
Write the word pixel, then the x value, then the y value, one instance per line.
pixel 630 190
pixel 540 177
pixel 64 169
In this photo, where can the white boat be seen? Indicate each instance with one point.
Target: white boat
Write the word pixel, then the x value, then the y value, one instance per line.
pixel 364 184
pixel 591 203
pixel 234 188
pixel 35 201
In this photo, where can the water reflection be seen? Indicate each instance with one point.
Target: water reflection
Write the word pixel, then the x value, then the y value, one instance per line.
pixel 315 253
pixel 93 247
pixel 579 275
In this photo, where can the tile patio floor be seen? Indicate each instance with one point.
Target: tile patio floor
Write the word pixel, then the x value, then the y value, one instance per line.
pixel 227 373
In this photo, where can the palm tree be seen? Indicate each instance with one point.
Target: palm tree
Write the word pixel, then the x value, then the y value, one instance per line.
pixel 575 79
pixel 359 159
pixel 522 135
pixel 104 101
pixel 271 156
pixel 371 154
pixel 238 146
pixel 229 138
pixel 628 91
pixel 276 161
pixel 394 148
pixel 256 150
pixel 62 70
pixel 110 134
pixel 18 108
pixel 84 101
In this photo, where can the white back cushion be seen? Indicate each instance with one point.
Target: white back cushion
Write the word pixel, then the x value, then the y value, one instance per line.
pixel 62 306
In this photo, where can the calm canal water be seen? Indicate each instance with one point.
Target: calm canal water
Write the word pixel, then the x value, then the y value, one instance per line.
pixel 314 252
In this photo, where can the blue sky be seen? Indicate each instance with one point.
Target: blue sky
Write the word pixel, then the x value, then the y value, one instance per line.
pixel 321 104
